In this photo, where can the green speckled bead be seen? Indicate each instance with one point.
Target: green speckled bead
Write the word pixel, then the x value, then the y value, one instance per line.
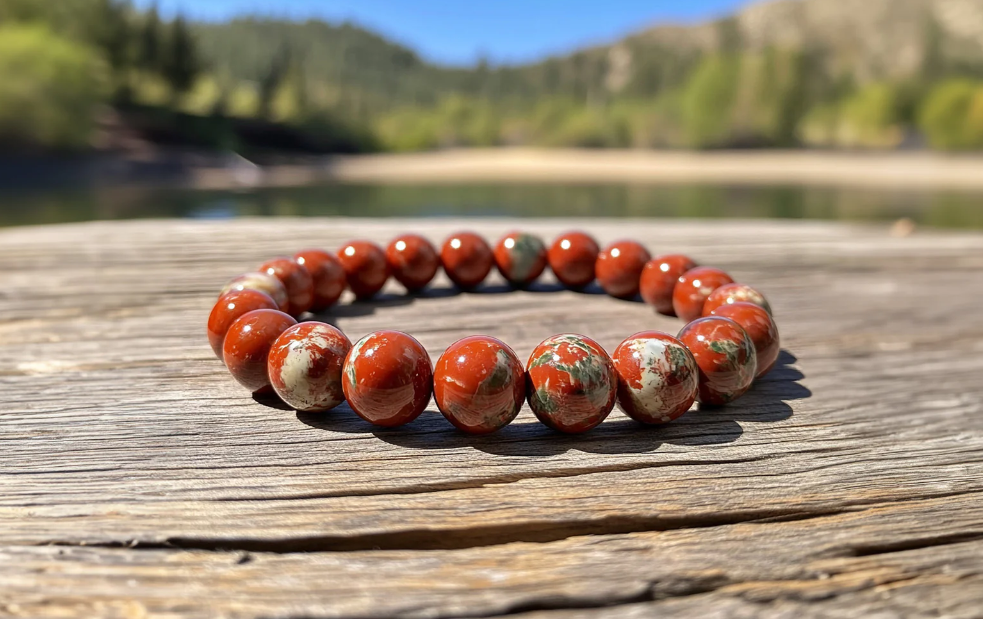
pixel 570 383
pixel 520 258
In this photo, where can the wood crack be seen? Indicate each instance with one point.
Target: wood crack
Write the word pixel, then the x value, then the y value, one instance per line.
pixel 868 550
pixel 654 592
pixel 676 588
pixel 473 537
pixel 536 532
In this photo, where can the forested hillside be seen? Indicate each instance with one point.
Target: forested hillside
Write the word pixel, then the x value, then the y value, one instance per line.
pixel 822 73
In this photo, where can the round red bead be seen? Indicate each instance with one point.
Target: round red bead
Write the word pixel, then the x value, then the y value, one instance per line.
pixel 467 259
pixel 413 261
pixel 328 276
pixel 572 258
pixel 725 355
pixel 247 345
pixel 570 383
pixel 760 327
pixel 365 268
pixel 659 278
pixel 262 282
pixel 693 288
pixel 296 279
pixel 388 378
pixel 228 308
pixel 619 268
pixel 305 364
pixel 520 258
pixel 657 377
pixel 479 384
pixel 734 293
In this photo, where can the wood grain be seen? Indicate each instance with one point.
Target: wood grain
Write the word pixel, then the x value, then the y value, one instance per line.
pixel 139 480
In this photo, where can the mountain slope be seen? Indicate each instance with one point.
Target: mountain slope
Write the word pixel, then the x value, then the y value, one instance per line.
pixel 865 41
pixel 830 73
pixel 872 39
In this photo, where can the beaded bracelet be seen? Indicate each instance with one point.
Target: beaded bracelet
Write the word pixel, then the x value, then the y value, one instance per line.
pixel 478 383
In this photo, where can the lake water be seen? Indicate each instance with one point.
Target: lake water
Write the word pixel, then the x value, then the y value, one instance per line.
pixel 928 208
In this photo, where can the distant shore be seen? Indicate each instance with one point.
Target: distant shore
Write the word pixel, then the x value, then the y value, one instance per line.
pixel 910 170
pixel 885 170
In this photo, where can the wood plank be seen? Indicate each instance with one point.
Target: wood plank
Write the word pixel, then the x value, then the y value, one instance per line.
pixel 827 564
pixel 121 430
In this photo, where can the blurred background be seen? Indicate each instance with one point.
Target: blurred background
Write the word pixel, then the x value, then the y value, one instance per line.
pixel 117 109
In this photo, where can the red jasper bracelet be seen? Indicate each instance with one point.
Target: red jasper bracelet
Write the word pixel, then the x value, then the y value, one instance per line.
pixel 478 383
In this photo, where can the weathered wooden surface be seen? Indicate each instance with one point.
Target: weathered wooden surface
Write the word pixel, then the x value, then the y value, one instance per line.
pixel 137 479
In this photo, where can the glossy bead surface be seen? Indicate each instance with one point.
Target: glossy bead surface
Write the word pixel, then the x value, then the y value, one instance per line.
pixel 479 384
pixel 413 261
pixel 467 259
pixel 619 268
pixel 305 365
pixel 328 276
pixel 659 278
pixel 296 279
pixel 388 378
pixel 262 282
pixel 760 327
pixel 693 288
pixel 228 308
pixel 365 268
pixel 572 258
pixel 725 355
pixel 247 345
pixel 520 258
pixel 734 293
pixel 657 377
pixel 570 383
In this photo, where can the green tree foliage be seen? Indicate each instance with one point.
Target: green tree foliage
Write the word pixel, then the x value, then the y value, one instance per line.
pixel 654 123
pixel 745 100
pixel 456 122
pixel 102 24
pixel 952 117
pixel 820 125
pixel 708 100
pixel 709 87
pixel 350 70
pixel 180 66
pixel 871 117
pixel 151 43
pixel 589 127
pixel 273 80
pixel 771 93
pixel 50 88
pixel 109 28
pixel 126 39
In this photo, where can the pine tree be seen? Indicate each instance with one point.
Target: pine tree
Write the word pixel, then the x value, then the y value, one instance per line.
pixel 272 80
pixel 181 64
pixel 108 28
pixel 150 42
pixel 112 32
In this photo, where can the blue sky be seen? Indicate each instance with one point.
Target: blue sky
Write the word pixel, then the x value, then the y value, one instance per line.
pixel 458 31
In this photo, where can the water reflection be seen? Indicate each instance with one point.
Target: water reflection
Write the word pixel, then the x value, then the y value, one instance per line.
pixel 931 208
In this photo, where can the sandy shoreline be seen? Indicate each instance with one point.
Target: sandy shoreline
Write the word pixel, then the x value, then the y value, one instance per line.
pixel 885 170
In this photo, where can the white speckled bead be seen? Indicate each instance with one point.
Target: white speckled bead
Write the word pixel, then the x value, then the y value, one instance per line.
pixel 263 282
pixel 305 366
pixel 658 378
pixel 729 294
